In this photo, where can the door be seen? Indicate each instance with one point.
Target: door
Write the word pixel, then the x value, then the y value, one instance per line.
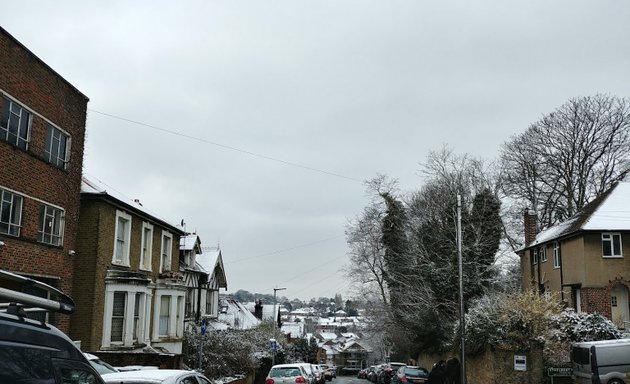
pixel 619 306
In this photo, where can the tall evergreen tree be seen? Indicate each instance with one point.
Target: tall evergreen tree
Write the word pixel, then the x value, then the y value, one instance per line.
pixel 396 246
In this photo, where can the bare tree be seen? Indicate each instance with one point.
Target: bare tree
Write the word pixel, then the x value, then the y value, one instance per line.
pixel 568 157
pixel 363 235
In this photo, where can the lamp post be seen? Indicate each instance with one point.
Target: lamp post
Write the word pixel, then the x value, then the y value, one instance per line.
pixel 275 319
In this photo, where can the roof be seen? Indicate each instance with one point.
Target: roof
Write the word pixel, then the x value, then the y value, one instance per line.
pixel 97 188
pixel 608 212
pixel 267 310
pixel 296 330
pixel 211 262
pixel 189 242
pixel 235 315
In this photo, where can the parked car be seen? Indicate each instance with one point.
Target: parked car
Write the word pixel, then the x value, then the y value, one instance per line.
pixel 606 362
pixel 411 375
pixel 372 373
pixel 287 374
pixel 32 351
pixel 388 369
pixel 319 374
pixel 156 376
pixel 99 365
pixel 362 374
pixel 330 372
pixel 310 372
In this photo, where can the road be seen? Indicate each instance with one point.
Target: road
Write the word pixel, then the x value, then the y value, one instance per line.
pixel 348 380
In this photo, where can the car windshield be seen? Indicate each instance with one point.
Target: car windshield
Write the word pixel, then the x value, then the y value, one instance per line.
pixel 102 367
pixel 415 372
pixel 284 372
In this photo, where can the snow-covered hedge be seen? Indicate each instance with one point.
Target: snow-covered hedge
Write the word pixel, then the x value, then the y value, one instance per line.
pixel 227 353
pixel 518 321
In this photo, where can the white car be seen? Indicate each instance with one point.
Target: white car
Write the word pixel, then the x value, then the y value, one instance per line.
pixel 156 376
pixel 99 365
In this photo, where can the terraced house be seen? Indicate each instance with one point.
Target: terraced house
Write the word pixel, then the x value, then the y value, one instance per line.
pixel 42 133
pixel 586 259
pixel 129 293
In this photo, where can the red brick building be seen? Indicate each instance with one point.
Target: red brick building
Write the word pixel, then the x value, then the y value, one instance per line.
pixel 42 133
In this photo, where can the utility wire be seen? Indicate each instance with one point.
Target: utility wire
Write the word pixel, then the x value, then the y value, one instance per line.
pixel 285 162
pixel 284 250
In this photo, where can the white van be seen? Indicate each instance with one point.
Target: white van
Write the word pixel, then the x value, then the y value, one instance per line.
pixel 601 362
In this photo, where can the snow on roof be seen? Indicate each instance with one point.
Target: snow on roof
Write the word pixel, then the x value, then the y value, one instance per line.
pixel 267 310
pixel 354 345
pixel 236 315
pixel 295 329
pixel 610 211
pixel 614 212
pixel 210 260
pixel 97 187
pixel 328 335
pixel 188 242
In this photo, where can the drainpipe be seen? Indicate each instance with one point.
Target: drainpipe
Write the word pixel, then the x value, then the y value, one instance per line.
pixel 561 274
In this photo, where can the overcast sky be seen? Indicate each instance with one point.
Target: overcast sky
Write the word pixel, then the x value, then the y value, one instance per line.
pixel 260 119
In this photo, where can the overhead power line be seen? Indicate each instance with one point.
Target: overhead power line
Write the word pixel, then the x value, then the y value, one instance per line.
pixel 285 162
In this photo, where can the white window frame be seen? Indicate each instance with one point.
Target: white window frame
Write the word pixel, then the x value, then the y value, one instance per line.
pixel 166 255
pixel 146 247
pixel 122 244
pixel 175 314
pixel 535 255
pixel 51 225
pixel 54 154
pixel 610 237
pixel 542 252
pixel 135 328
pixel 557 255
pixel 12 203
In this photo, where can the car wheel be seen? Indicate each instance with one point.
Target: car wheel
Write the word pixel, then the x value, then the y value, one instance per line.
pixel 615 381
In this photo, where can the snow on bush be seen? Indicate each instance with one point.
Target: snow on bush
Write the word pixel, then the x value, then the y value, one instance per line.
pixel 518 321
pixel 227 353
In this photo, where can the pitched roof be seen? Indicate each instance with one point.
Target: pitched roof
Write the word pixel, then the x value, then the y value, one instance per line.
pixel 211 262
pixel 608 212
pixel 98 189
pixel 189 242
pixel 235 315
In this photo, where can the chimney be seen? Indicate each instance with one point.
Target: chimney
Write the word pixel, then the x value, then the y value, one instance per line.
pixel 258 310
pixel 531 226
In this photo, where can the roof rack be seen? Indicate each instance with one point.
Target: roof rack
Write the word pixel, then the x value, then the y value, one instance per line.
pixel 12 287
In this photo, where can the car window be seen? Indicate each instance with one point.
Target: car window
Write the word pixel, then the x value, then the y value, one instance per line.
pixel 77 376
pixel 30 365
pixel 203 380
pixel 188 380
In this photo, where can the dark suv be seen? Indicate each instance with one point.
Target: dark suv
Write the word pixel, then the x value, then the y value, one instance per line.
pixel 32 351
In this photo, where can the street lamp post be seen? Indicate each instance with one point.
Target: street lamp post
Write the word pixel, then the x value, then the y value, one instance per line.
pixel 275 319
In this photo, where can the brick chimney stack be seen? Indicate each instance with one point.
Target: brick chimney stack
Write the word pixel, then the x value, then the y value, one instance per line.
pixel 531 226
pixel 258 309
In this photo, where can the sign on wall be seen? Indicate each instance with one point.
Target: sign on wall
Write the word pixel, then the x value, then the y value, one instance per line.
pixel 520 363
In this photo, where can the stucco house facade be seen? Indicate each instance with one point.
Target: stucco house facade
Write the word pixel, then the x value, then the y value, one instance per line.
pixel 586 259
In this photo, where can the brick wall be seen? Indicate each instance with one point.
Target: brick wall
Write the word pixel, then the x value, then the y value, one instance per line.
pixel 89 280
pixel 596 300
pixel 28 80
